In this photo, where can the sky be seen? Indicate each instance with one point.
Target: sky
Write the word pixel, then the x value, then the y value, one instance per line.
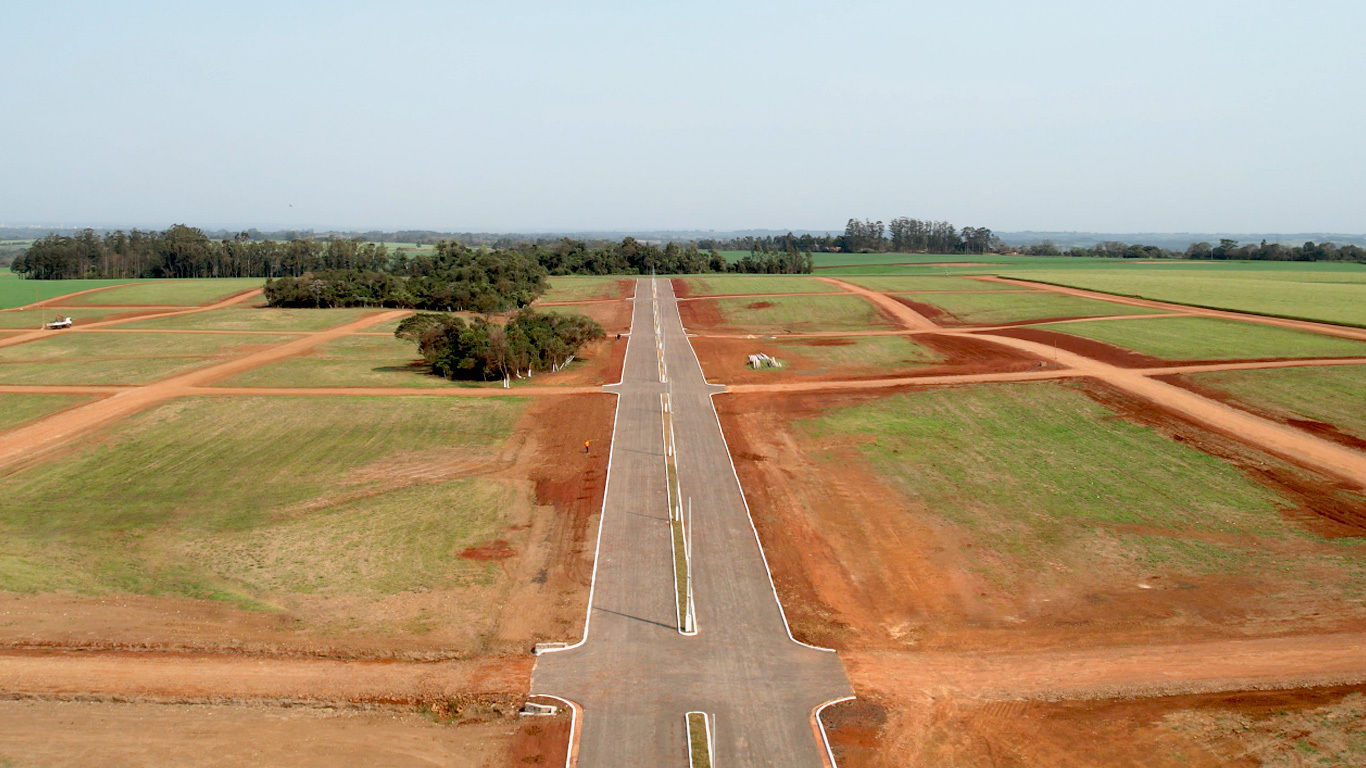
pixel 1116 116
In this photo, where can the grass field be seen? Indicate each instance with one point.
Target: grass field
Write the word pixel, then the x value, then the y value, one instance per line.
pixel 912 284
pixel 1046 483
pixel 800 314
pixel 17 292
pixel 246 499
pixel 1203 338
pixel 353 361
pixel 118 358
pixel 1330 395
pixel 726 285
pixel 988 308
pixel 877 352
pixel 1310 292
pixel 257 319
pixel 32 319
pixel 187 293
pixel 585 289
pixel 17 409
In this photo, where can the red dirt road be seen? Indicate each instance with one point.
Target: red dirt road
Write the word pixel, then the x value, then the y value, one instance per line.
pixel 907 316
pixel 56 301
pixel 1095 673
pixel 236 298
pixel 219 677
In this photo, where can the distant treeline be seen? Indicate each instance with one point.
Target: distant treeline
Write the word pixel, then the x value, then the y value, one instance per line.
pixel 530 341
pixel 1225 250
pixel 182 251
pixel 902 235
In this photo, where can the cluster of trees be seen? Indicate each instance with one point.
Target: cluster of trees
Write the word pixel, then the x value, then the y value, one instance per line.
pixel 529 342
pixel 454 278
pixel 182 251
pixel 902 235
pixel 1226 250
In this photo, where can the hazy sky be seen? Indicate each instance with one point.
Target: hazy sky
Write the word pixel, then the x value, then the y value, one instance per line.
pixel 1093 115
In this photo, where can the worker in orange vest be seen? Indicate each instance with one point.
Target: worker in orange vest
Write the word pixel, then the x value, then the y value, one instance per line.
pixel 585 446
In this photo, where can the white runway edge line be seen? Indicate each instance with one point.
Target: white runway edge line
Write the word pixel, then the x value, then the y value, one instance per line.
pixel 820 725
pixel 748 514
pixel 602 514
pixel 710 727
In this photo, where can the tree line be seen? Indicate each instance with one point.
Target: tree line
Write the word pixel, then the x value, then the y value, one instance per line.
pixel 182 251
pixel 901 235
pixel 1226 250
pixel 529 342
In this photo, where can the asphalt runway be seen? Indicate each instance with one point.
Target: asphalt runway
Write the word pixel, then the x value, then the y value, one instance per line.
pixel 636 675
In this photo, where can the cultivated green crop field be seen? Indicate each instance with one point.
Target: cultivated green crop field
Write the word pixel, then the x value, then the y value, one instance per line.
pixel 247 318
pixel 187 293
pixel 1333 395
pixel 1046 482
pixel 256 501
pixel 587 288
pixel 1310 292
pixel 730 285
pixel 18 409
pixel 800 314
pixel 17 292
pixel 119 358
pixel 911 284
pixel 994 307
pixel 1203 338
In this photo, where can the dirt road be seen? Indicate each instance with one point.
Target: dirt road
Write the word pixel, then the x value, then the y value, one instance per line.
pixel 236 298
pixel 1102 673
pixel 907 316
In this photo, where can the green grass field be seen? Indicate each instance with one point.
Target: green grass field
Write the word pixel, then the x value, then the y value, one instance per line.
pixel 987 308
pixel 585 289
pixel 352 361
pixel 18 409
pixel 912 284
pixel 185 293
pixel 32 319
pixel 250 500
pixel 1330 395
pixel 877 352
pixel 1203 338
pixel 727 285
pixel 119 358
pixel 1046 482
pixel 257 319
pixel 1311 292
pixel 17 292
pixel 800 314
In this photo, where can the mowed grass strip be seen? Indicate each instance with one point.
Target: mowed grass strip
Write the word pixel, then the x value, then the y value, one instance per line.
pixel 188 293
pixel 1334 395
pixel 801 314
pixel 587 288
pixel 19 409
pixel 247 318
pixel 242 499
pixel 988 308
pixel 872 352
pixel 909 284
pixel 1337 296
pixel 120 358
pixel 728 285
pixel 1046 482
pixel 1205 338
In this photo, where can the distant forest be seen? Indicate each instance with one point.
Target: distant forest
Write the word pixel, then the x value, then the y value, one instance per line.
pixel 902 235
pixel 1226 250
pixel 182 251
